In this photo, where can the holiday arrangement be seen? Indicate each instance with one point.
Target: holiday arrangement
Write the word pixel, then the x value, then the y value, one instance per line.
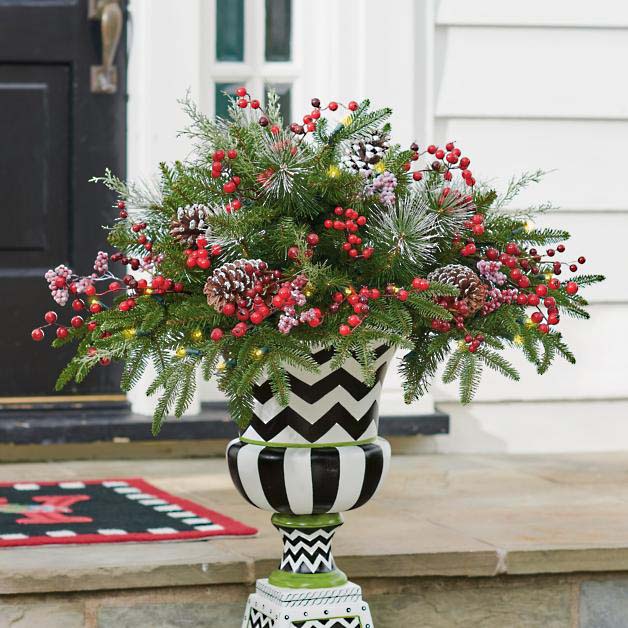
pixel 291 263
pixel 273 241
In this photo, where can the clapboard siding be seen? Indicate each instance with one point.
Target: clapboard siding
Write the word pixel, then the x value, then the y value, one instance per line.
pixel 522 72
pixel 535 85
pixel 573 150
pixel 554 13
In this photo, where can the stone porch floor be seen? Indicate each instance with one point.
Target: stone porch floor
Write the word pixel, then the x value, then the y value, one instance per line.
pixel 450 541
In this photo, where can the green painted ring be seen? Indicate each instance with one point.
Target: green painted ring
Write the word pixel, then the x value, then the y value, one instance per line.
pixel 288 580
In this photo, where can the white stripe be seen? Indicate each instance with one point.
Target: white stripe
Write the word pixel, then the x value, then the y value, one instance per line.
pixel 180 514
pixel 297 470
pixel 161 530
pixel 13 537
pixel 208 528
pixel 153 502
pixel 26 486
pixel 139 496
pixel 196 520
pixel 352 469
pixel 249 476
pixel 112 483
pixel 385 447
pixel 123 490
pixel 60 533
pixel 111 531
pixel 167 508
pixel 71 485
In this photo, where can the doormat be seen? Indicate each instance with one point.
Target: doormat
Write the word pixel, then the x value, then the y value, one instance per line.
pixel 104 511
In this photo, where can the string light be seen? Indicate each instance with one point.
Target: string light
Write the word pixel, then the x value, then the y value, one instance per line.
pixel 197 335
pixel 518 339
pixel 129 333
pixel 180 352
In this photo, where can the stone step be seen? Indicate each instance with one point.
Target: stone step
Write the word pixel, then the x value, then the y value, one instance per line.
pixel 451 541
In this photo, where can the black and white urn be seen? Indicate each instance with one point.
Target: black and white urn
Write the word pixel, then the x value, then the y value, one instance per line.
pixel 308 462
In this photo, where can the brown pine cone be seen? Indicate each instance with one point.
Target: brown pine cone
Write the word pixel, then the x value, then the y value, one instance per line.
pixel 230 282
pixel 363 156
pixel 472 290
pixel 189 223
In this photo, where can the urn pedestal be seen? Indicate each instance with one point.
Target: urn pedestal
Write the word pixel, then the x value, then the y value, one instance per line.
pixel 307 463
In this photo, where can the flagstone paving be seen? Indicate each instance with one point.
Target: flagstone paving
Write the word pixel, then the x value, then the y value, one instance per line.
pixel 451 517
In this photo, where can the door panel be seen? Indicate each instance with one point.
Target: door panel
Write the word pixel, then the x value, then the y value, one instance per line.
pixel 54 135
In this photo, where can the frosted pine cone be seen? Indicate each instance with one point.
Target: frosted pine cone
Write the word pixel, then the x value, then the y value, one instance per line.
pixel 363 156
pixel 231 281
pixel 473 291
pixel 189 223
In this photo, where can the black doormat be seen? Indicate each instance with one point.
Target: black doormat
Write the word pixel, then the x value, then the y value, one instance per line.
pixel 104 511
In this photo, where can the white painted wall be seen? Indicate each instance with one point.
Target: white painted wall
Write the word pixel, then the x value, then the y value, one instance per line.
pixel 519 86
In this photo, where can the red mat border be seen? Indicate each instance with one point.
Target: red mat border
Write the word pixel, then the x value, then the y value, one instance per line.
pixel 232 527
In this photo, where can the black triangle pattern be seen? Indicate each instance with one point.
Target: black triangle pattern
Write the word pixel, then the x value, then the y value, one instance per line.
pixel 311 393
pixel 259 620
pixel 336 415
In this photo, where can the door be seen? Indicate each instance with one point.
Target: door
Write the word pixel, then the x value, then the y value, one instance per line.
pixel 55 133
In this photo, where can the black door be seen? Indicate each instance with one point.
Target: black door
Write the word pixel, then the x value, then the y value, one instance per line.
pixel 55 134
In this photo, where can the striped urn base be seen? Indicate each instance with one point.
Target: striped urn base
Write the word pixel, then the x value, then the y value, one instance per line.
pixel 338 607
pixel 307 561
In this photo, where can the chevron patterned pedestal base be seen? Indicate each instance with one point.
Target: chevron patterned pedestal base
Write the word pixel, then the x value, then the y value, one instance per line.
pixel 276 607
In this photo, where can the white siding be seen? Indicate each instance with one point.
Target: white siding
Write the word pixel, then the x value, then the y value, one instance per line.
pixel 537 85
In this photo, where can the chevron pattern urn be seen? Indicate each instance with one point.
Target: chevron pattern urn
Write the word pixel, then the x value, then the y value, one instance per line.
pixel 307 463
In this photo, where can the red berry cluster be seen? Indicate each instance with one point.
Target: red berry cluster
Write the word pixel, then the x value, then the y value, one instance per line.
pixel 220 168
pixel 253 307
pixel 446 160
pixel 349 221
pixel 200 256
pixel 359 301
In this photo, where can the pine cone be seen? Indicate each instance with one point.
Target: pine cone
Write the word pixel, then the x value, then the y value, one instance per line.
pixel 472 290
pixel 363 156
pixel 229 282
pixel 189 223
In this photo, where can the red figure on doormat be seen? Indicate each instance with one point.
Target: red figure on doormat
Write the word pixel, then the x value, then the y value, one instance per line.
pixel 49 509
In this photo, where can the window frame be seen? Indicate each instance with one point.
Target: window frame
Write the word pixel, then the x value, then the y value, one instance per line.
pixel 254 72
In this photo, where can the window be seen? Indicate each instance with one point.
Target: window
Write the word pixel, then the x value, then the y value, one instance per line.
pixel 253 47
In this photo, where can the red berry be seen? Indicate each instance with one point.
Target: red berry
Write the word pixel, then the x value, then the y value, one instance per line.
pixel 105 361
pixel 241 91
pixel 431 149
pixel 571 287
pixel 449 146
pixel 328 223
pixel 522 299
pixel 560 248
pixel 353 252
pixel 541 290
pixel 533 299
pixel 62 332
pixel 78 305
pixel 232 154
pixel 255 104
pixel 256 318
pixel 243 103
pixel 312 239
pixel 59 282
pixel 492 254
pixel 201 242
pixel 417 176
pixel 582 260
pixel 121 205
pixel 229 187
pixel 352 105
pixel 512 249
pixel 439 154
pixel 91 326
pixel 37 334
pixel 544 328
pixel 553 319
pixel 361 220
pixel 524 282
pixel 554 283
pixel 228 309
pixel 90 291
pixel 344 330
pixel 293 252
pixel 50 317
pixel 402 295
pixel 573 268
pixel 354 320
pixel 516 274
pixel 536 317
pixel 464 162
pixel 76 321
pixel 94 308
